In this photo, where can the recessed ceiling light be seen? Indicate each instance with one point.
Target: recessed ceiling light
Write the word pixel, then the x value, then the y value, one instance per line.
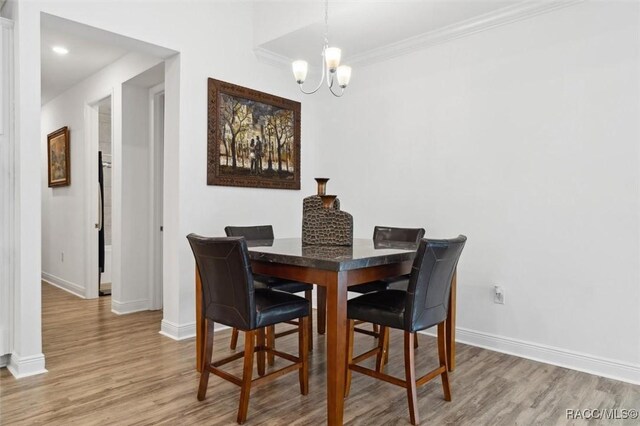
pixel 60 50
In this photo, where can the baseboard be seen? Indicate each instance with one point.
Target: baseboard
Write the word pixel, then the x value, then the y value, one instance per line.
pixel 617 370
pixel 185 331
pixel 26 366
pixel 4 360
pixel 123 308
pixel 177 331
pixel 68 286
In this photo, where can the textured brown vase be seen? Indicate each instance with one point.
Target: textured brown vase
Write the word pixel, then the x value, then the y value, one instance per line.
pixel 327 200
pixel 322 185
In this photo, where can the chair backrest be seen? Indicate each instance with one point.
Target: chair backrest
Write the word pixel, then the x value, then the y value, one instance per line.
pixel 251 233
pixel 430 282
pixel 227 281
pixel 405 235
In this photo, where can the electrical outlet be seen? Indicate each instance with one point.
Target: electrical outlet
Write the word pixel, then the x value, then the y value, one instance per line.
pixel 498 295
pixel 62 256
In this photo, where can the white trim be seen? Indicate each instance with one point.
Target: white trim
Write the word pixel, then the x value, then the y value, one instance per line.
pixel 91 126
pixel 177 331
pixel 8 205
pixel 156 192
pixel 4 360
pixel 6 23
pixel 68 286
pixel 123 308
pixel 26 366
pixel 268 57
pixel 599 366
pixel 506 15
pixel 183 332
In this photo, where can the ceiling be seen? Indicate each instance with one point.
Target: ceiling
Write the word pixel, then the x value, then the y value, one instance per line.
pixel 85 57
pixel 364 26
pixel 90 50
pixel 367 30
pixel 284 30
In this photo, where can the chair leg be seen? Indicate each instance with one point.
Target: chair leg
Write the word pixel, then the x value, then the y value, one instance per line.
pixel 442 355
pixel 245 390
pixel 208 352
pixel 234 338
pixel 271 342
pixel 386 350
pixel 303 353
pixel 322 309
pixel 376 329
pixel 410 373
pixel 309 296
pixel 347 383
pixel 383 348
pixel 261 354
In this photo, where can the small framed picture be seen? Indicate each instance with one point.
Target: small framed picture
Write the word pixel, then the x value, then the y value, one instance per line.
pixel 59 158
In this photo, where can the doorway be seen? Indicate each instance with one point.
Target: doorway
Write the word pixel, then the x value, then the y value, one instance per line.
pixel 105 200
pixel 103 233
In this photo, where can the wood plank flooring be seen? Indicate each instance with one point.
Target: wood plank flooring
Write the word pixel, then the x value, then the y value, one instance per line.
pixel 106 369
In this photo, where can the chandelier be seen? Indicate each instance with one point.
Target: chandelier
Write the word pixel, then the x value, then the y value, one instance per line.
pixel 331 68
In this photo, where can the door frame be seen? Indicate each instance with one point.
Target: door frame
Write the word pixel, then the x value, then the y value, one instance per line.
pixel 156 152
pixel 92 125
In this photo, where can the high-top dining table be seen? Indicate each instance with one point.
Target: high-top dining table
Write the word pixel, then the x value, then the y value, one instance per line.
pixel 333 269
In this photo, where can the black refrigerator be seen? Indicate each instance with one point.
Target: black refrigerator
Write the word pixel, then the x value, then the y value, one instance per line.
pixel 101 227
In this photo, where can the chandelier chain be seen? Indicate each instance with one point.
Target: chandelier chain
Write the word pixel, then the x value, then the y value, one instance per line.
pixel 326 22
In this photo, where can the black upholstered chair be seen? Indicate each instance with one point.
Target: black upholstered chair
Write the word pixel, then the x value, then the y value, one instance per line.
pixel 422 305
pixel 388 234
pixel 229 297
pixel 265 233
pixel 382 234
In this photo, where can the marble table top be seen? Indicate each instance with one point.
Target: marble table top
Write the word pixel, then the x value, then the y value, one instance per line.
pixel 364 253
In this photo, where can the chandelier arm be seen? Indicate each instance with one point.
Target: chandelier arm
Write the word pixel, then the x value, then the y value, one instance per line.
pixel 321 79
pixel 336 94
pixel 330 80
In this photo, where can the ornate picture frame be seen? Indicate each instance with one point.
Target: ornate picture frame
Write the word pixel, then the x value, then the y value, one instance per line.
pixel 59 158
pixel 253 138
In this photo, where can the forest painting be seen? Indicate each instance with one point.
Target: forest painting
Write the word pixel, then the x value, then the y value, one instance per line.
pixel 253 138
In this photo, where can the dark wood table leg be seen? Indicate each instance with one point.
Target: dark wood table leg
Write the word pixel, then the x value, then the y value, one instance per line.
pixel 450 325
pixel 336 345
pixel 322 309
pixel 200 324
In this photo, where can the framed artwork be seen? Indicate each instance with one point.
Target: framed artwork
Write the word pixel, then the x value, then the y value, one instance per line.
pixel 253 138
pixel 59 163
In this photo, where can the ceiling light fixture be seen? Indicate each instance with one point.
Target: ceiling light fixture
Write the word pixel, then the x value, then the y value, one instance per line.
pixel 60 50
pixel 331 63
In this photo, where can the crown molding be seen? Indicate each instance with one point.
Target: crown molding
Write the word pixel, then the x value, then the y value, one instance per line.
pixel 503 16
pixel 268 57
pixel 477 24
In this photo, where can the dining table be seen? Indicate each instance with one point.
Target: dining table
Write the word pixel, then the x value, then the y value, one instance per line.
pixel 333 269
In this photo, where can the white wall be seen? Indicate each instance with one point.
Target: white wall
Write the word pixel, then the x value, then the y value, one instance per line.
pixel 136 212
pixel 26 343
pixel 206 50
pixel 6 190
pixel 65 219
pixel 524 138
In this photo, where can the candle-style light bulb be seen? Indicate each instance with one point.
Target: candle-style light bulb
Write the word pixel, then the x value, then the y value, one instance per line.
pixel 332 58
pixel 300 69
pixel 343 75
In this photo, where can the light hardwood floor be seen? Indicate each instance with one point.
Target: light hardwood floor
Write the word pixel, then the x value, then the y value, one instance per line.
pixel 109 369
